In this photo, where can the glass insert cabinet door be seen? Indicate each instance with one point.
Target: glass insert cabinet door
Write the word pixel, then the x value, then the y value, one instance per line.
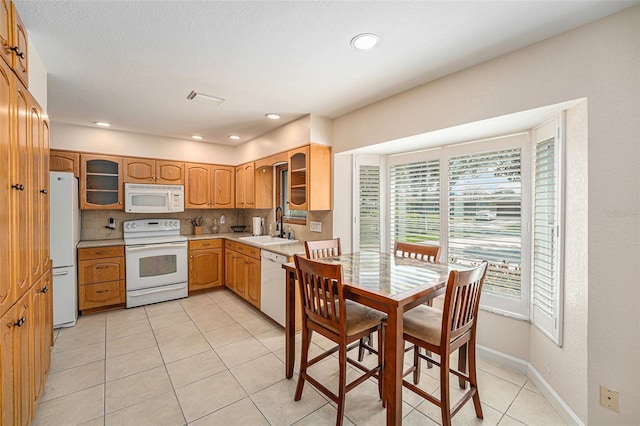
pixel 298 178
pixel 101 182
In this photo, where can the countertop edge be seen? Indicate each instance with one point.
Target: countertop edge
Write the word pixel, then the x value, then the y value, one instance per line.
pixel 284 249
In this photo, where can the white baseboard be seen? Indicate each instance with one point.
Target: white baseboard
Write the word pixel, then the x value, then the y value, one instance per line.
pixel 524 367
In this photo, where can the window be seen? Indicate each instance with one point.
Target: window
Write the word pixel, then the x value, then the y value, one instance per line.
pixel 298 217
pixel 485 222
pixel 470 199
pixel 414 202
pixel 500 200
pixel 368 230
pixel 547 230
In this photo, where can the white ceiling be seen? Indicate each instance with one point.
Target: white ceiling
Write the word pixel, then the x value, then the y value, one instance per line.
pixel 133 63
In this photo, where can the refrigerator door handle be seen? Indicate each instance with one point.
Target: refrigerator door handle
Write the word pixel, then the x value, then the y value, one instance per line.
pixel 57 274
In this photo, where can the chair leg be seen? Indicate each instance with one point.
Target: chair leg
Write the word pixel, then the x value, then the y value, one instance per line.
pixel 473 379
pixel 365 340
pixel 380 362
pixel 416 364
pixel 445 401
pixel 304 357
pixel 342 382
pixel 462 364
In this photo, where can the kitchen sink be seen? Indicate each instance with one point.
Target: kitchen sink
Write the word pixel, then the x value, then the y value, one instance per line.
pixel 267 240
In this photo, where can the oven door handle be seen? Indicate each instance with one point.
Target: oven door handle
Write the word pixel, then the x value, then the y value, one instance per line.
pixel 155 246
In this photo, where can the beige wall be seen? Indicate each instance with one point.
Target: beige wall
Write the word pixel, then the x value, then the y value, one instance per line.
pixel 291 135
pixel 600 62
pixel 77 138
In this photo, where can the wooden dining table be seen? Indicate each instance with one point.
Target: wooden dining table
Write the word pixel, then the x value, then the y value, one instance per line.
pixel 389 284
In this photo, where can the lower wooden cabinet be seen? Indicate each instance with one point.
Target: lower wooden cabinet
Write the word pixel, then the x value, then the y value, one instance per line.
pixel 101 277
pixel 244 278
pixel 25 352
pixel 206 264
pixel 101 295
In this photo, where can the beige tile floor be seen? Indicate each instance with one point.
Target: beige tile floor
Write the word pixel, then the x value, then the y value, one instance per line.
pixel 214 360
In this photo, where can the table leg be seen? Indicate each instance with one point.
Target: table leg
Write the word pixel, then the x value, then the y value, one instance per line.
pixel 290 323
pixel 394 356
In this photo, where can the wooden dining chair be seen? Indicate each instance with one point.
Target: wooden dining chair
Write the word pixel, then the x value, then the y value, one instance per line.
pixel 322 248
pixel 417 251
pixel 430 253
pixel 326 312
pixel 329 248
pixel 442 332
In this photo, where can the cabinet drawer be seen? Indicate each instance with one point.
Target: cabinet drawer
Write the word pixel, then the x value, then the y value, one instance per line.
pixel 100 252
pixel 205 244
pixel 100 270
pixel 248 250
pixel 230 245
pixel 103 294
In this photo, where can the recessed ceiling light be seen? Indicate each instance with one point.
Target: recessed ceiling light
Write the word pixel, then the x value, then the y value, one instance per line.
pixel 364 41
pixel 234 137
pixel 196 137
pixel 272 116
pixel 102 123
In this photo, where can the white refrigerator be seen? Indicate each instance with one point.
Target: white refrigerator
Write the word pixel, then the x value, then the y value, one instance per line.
pixel 65 234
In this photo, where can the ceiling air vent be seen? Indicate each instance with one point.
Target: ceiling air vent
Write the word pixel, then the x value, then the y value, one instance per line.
pixel 195 96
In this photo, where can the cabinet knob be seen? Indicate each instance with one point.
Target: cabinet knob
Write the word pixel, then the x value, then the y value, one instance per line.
pixel 102 291
pixel 44 191
pixel 18 186
pixel 17 52
pixel 45 289
pixel 20 322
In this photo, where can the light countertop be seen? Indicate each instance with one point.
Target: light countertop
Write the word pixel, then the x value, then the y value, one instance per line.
pixel 284 249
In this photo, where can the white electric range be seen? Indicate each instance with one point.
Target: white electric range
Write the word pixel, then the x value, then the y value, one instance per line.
pixel 156 261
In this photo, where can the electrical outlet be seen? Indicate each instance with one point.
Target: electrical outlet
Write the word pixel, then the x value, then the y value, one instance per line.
pixel 315 226
pixel 610 399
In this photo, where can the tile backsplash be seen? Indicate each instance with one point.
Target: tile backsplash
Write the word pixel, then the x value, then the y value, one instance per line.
pixel 94 222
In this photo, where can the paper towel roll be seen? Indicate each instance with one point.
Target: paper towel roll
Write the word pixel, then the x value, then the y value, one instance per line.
pixel 257 225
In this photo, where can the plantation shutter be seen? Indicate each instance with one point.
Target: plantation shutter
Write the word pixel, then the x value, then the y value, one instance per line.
pixel 484 221
pixel 547 289
pixel 414 196
pixel 369 208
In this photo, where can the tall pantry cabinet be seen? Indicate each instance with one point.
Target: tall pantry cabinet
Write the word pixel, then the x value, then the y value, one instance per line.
pixel 26 319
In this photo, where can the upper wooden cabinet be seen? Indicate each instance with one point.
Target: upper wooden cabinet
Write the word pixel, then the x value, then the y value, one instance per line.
pixel 7 290
pixel 13 41
pixel 245 186
pixel 144 170
pixel 264 186
pixel 100 182
pixel 64 161
pixel 310 178
pixel 208 186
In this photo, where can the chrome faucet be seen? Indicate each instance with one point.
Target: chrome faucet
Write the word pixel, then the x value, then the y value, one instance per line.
pixel 281 225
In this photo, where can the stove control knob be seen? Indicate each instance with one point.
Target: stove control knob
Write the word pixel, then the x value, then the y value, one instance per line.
pixel 176 224
pixel 134 225
pixel 127 226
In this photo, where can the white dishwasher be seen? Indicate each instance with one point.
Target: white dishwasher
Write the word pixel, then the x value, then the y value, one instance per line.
pixel 272 285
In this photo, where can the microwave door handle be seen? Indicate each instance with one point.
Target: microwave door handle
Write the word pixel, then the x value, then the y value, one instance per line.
pixel 155 246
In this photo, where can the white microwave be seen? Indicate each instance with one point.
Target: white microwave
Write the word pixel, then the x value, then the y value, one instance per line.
pixel 141 198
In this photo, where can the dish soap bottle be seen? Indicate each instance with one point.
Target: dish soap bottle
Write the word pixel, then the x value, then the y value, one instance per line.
pixel 289 234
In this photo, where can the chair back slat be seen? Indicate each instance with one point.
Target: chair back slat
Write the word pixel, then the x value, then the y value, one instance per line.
pixel 322 292
pixel 322 248
pixel 461 302
pixel 417 251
